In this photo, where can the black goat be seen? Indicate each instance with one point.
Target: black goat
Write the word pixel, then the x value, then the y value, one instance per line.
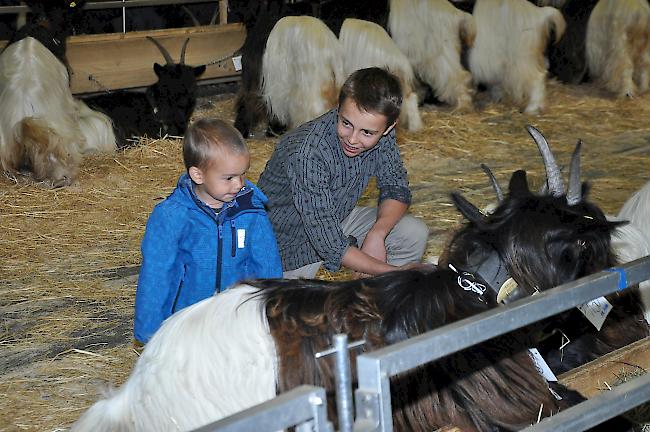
pixel 542 241
pixel 163 109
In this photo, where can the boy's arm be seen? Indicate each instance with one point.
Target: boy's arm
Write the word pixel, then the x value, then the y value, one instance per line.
pixel 389 213
pixel 159 276
pixel 265 256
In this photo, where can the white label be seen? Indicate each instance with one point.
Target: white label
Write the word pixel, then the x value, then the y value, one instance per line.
pixel 236 61
pixel 241 238
pixel 541 366
pixel 596 311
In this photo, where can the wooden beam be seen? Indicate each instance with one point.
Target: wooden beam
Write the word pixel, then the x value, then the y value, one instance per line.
pixel 594 377
pixel 125 60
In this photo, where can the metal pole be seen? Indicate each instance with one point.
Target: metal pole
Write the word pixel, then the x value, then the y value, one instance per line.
pixel 123 18
pixel 344 403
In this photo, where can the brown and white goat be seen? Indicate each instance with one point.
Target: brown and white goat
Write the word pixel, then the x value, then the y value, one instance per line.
pixel 508 55
pixel 366 44
pixel 43 129
pixel 432 33
pixel 618 46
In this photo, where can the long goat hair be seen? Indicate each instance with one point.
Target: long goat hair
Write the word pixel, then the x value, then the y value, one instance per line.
pixel 244 345
pixel 302 70
pixel 432 33
pixel 365 44
pixel 508 55
pixel 545 240
pixel 43 129
pixel 618 46
pixel 632 241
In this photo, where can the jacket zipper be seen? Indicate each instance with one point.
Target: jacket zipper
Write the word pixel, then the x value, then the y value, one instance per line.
pixel 233 247
pixel 219 258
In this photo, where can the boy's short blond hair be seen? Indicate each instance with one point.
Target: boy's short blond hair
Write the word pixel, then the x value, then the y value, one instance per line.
pixel 205 136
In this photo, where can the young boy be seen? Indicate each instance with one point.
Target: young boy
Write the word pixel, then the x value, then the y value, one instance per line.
pixel 318 172
pixel 211 232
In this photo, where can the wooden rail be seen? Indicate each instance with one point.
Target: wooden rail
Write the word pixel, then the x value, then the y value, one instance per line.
pixel 125 60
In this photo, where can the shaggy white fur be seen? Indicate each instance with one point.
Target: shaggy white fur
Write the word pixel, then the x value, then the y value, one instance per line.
pixel 618 46
pixel 508 55
pixel 366 44
pixel 42 128
pixel 302 70
pixel 431 34
pixel 632 241
pixel 221 343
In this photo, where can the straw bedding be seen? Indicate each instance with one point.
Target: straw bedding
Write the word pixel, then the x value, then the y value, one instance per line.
pixel 69 257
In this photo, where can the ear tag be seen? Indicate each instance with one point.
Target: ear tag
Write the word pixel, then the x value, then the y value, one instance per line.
pixel 596 311
pixel 540 364
pixel 506 289
pixel 236 62
pixel 73 4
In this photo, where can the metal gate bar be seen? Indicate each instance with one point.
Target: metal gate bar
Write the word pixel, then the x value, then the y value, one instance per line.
pixel 597 409
pixel 375 368
pixel 305 406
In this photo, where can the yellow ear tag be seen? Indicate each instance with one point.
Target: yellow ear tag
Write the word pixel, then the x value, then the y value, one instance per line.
pixel 506 289
pixel 73 4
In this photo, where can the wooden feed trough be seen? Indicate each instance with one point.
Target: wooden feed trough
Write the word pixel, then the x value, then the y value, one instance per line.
pixel 125 60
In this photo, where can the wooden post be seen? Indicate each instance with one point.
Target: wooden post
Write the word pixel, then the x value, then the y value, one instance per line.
pixel 223 11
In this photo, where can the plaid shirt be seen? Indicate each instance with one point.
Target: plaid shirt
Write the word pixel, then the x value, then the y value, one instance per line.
pixel 312 186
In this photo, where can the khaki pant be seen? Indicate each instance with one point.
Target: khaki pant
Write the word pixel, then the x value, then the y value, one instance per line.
pixel 404 244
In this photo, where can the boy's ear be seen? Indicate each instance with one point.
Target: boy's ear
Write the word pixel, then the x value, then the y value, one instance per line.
pixel 196 175
pixel 390 128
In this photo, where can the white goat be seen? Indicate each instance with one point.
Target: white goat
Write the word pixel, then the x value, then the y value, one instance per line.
pixel 302 70
pixel 431 33
pixel 618 46
pixel 44 130
pixel 632 241
pixel 508 55
pixel 366 44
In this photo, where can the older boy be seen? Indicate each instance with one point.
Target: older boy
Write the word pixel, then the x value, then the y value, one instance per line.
pixel 318 172
pixel 211 232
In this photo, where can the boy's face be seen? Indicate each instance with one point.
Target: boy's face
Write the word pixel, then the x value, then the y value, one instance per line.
pixel 222 179
pixel 359 131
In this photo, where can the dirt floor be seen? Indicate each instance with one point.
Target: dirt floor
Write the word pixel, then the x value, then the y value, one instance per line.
pixel 69 257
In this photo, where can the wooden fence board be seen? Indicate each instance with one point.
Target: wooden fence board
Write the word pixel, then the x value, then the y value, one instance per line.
pixel 125 60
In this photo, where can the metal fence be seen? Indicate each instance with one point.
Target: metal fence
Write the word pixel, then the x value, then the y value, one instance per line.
pixel 374 369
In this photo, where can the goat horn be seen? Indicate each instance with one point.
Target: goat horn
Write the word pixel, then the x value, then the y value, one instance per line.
pixel 193 17
pixel 574 194
pixel 553 175
pixel 495 183
pixel 162 49
pixel 183 50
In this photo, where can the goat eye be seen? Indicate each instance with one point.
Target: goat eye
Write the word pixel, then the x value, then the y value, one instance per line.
pixel 155 110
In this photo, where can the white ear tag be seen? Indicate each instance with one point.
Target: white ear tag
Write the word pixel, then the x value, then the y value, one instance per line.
pixel 241 238
pixel 541 366
pixel 596 311
pixel 236 62
pixel 506 289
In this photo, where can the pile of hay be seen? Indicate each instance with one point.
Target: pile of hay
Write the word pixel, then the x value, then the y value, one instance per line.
pixel 69 256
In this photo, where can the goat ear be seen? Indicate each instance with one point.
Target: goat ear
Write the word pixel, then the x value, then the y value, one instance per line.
pixel 467 209
pixel 518 186
pixel 158 69
pixel 198 71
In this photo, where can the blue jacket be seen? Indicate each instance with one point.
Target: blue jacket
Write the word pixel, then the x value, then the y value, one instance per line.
pixel 190 252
